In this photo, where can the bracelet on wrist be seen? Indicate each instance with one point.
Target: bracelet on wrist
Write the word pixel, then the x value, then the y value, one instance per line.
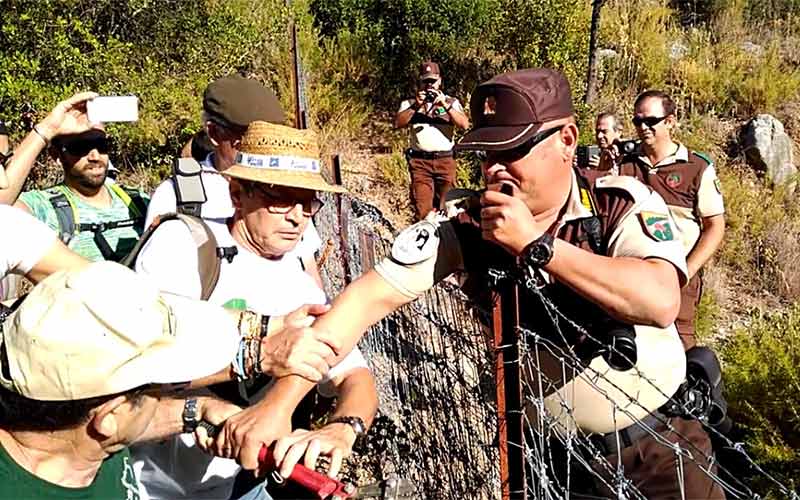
pixel 41 135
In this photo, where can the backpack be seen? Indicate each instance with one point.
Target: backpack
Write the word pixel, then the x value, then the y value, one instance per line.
pixel 67 215
pixel 209 254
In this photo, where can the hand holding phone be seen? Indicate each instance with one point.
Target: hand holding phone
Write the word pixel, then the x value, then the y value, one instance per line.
pixel 104 109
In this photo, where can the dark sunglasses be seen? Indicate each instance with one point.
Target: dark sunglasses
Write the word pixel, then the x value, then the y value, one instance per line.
pixel 83 148
pixel 279 204
pixel 519 152
pixel 650 121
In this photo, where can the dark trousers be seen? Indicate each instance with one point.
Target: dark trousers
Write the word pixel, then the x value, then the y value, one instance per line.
pixel 653 468
pixel 430 182
pixel 690 297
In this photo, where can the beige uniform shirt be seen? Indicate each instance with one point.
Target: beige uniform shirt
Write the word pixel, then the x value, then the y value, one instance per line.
pixel 431 128
pixel 689 185
pixel 598 399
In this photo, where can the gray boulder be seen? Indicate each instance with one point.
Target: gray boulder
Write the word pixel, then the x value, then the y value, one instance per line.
pixel 768 149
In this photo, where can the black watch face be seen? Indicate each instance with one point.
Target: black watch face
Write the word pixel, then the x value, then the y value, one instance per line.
pixel 539 253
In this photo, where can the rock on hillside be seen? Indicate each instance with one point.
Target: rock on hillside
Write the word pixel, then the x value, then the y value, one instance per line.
pixel 768 149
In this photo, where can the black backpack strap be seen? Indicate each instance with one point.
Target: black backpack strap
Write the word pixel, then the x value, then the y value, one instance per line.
pixel 187 181
pixel 591 225
pixel 65 214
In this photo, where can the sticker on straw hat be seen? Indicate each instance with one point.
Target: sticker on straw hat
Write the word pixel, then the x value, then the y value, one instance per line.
pixel 274 162
pixel 416 243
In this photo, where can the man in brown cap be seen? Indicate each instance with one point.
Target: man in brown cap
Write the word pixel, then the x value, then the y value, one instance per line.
pixel 433 116
pixel 591 246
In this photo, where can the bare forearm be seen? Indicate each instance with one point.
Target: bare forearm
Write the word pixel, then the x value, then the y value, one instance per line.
pixel 402 118
pixel 58 258
pixel 707 245
pixel 618 284
pixel 357 396
pixel 19 166
pixel 459 118
pixel 364 302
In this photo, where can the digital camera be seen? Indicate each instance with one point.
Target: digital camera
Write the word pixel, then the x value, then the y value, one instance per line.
pixel 628 147
pixel 430 95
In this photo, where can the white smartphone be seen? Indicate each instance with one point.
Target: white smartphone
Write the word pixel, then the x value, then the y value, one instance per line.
pixel 113 108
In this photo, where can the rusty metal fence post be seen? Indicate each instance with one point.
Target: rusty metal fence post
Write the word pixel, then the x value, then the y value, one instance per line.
pixel 510 417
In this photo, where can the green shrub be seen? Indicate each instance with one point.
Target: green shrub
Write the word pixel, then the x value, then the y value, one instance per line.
pixel 394 169
pixel 763 390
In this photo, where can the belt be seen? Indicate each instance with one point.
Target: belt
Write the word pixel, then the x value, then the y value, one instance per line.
pixel 607 443
pixel 429 155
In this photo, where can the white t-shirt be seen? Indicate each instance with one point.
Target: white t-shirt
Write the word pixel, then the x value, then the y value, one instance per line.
pixel 25 240
pixel 219 207
pixel 176 468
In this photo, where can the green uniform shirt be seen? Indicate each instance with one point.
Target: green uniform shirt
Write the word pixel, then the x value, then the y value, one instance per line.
pixel 120 239
pixel 115 480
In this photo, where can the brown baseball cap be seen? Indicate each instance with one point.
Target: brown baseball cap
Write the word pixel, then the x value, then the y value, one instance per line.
pixel 239 101
pixel 428 69
pixel 510 108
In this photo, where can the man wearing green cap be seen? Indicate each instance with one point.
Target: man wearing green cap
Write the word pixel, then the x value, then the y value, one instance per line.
pixel 230 104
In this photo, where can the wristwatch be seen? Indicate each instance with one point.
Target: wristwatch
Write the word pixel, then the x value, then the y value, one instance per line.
pixel 189 415
pixel 539 251
pixel 358 427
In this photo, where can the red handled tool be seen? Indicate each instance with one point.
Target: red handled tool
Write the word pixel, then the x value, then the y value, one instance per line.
pixel 326 488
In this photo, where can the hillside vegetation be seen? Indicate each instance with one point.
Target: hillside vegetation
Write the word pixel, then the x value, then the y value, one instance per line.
pixel 723 60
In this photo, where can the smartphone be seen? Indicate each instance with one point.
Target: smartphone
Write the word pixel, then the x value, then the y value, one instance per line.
pixel 113 108
pixel 584 153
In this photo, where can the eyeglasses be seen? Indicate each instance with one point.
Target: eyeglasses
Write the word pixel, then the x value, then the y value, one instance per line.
pixel 519 152
pixel 650 121
pixel 430 81
pixel 83 148
pixel 283 204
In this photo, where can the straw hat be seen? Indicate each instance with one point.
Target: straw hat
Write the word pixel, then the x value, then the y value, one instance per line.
pixel 280 155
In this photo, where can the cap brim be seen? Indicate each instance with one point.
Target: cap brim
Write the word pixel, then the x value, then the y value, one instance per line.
pixel 427 76
pixel 302 180
pixel 206 339
pixel 496 138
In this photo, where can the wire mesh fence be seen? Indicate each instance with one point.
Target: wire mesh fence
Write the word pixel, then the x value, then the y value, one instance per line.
pixel 435 367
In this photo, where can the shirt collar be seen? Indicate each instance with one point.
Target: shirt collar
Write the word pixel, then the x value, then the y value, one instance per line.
pixel 681 154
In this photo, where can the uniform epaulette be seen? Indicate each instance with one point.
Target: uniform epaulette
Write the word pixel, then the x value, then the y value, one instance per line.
pixel 639 191
pixel 704 157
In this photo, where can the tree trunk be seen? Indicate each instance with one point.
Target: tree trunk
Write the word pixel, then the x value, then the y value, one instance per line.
pixel 591 77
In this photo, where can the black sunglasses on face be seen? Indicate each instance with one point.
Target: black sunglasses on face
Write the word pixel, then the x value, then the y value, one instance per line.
pixel 83 148
pixel 650 121
pixel 519 152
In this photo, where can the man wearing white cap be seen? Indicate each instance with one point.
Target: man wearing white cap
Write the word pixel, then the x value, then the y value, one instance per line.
pixel 273 191
pixel 81 373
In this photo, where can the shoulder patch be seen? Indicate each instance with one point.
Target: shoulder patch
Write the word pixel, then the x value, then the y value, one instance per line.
pixel 416 243
pixel 704 157
pixel 657 225
pixel 639 191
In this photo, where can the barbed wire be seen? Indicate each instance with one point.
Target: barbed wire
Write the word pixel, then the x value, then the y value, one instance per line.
pixel 443 371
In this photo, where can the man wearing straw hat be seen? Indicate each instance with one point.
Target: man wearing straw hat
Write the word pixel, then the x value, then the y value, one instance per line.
pixel 230 104
pixel 273 186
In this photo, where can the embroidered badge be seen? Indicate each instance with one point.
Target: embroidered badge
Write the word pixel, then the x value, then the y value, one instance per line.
pixel 657 225
pixel 674 180
pixel 718 185
pixel 416 243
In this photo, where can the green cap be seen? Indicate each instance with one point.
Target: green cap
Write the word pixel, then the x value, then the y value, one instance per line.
pixel 239 101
